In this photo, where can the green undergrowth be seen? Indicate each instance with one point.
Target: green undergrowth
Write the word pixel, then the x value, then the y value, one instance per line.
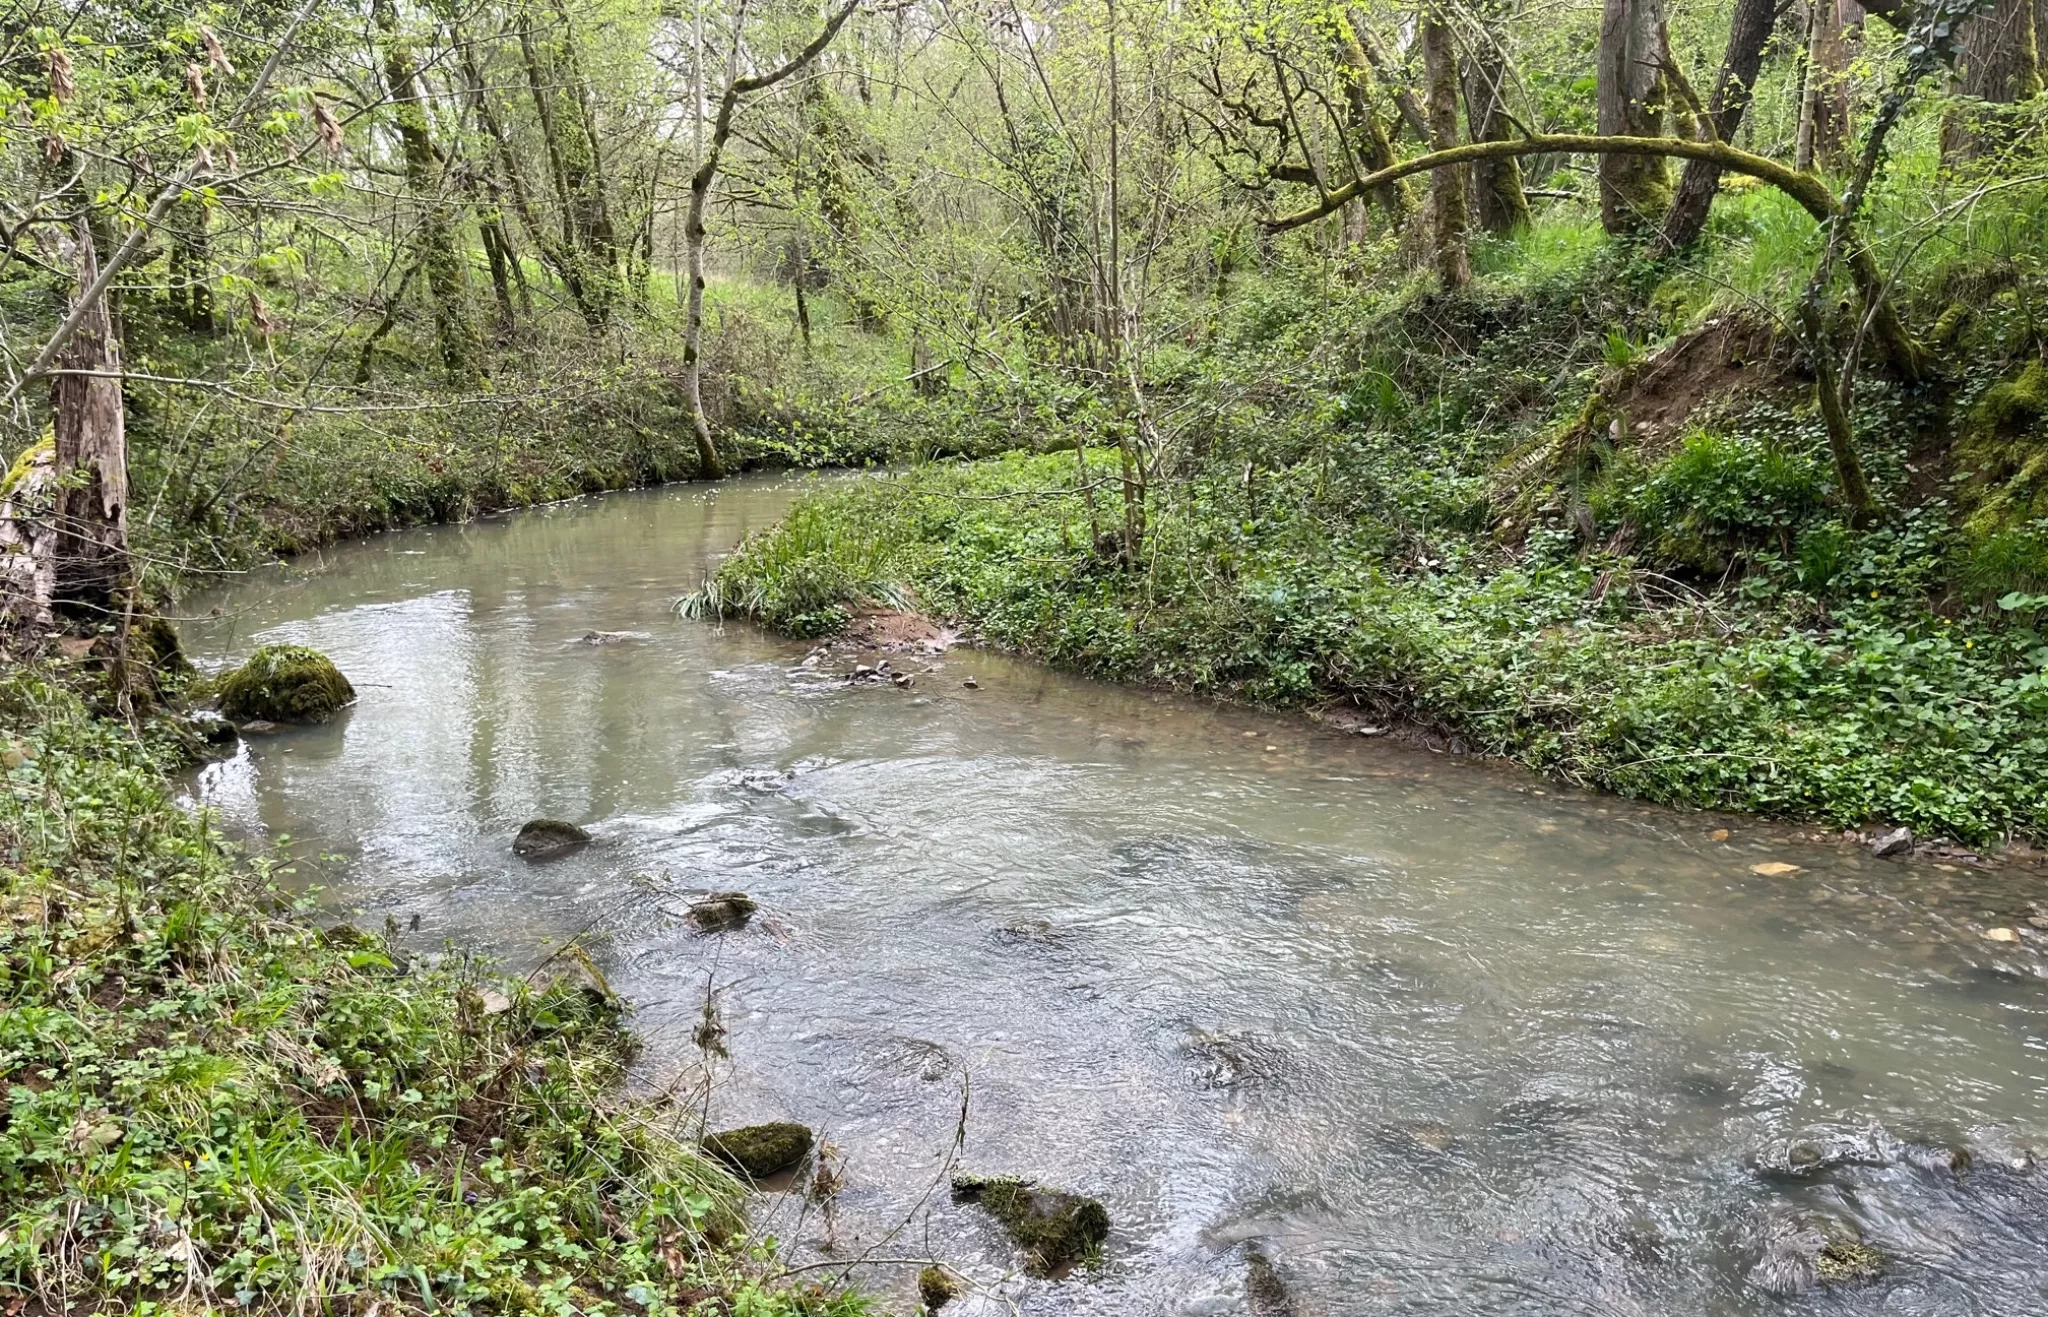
pixel 212 1104
pixel 1819 684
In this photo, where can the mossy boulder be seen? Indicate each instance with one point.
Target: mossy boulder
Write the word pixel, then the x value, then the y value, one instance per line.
pixel 759 1151
pixel 1056 1229
pixel 542 839
pixel 285 684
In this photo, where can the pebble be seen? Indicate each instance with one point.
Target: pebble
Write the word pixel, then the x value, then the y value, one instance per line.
pixel 2002 934
pixel 1774 869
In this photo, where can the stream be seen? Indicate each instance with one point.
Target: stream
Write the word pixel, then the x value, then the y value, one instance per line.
pixel 1394 1032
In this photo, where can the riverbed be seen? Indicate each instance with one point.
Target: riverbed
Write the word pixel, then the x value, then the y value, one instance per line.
pixel 1427 1036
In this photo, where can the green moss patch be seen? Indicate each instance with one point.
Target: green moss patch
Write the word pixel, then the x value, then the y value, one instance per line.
pixel 759 1151
pixel 285 684
pixel 1055 1229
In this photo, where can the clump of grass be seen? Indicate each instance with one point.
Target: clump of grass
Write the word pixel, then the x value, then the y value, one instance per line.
pixel 212 1103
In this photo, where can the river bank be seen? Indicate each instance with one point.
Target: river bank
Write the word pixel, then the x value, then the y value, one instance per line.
pixel 1878 711
pixel 212 1099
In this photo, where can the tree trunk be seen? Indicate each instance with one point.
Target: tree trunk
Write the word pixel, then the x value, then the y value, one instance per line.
pixel 90 576
pixel 1749 31
pixel 1371 137
pixel 2000 66
pixel 1448 220
pixel 1496 184
pixel 1824 97
pixel 191 275
pixel 1634 190
pixel 444 266
pixel 708 465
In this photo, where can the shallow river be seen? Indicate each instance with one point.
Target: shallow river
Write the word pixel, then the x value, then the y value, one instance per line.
pixel 1426 1036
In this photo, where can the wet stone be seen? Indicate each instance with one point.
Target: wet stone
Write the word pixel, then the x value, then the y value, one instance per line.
pixel 722 912
pixel 759 1151
pixel 543 839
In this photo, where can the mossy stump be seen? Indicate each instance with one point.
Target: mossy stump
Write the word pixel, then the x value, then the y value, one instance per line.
pixel 285 684
pixel 759 1151
pixel 1055 1229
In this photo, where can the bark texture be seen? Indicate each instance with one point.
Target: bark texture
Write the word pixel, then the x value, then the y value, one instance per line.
pixel 2000 66
pixel 1749 31
pixel 1449 221
pixel 1496 184
pixel 90 571
pixel 1635 190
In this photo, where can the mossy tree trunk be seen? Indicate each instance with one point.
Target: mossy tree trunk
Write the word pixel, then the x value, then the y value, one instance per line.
pixel 1497 192
pixel 1634 189
pixel 1371 142
pixel 189 224
pixel 2000 67
pixel 443 264
pixel 1448 216
pixel 1749 31
pixel 90 571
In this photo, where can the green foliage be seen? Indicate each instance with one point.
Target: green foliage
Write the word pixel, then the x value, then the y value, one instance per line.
pixel 1713 498
pixel 211 1102
pixel 1294 590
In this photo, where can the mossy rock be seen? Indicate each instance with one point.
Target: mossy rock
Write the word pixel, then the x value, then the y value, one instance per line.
pixel 542 839
pixel 722 912
pixel 285 684
pixel 937 1287
pixel 759 1151
pixel 1055 1229
pixel 1845 1261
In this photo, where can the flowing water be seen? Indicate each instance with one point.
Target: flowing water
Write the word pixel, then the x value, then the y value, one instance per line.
pixel 1407 1034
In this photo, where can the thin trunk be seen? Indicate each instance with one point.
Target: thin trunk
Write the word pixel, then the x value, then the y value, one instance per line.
pixel 1496 184
pixel 2000 66
pixel 1448 219
pixel 445 267
pixel 191 240
pixel 90 571
pixel 1634 190
pixel 1373 143
pixel 1824 92
pixel 1749 32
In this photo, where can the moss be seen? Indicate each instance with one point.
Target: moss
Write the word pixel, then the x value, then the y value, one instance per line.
pixel 759 1151
pixel 937 1287
pixel 722 912
pixel 1054 1228
pixel 24 462
pixel 1849 1260
pixel 285 684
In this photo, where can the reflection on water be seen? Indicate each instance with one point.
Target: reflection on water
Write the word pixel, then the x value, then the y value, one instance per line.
pixel 1432 1038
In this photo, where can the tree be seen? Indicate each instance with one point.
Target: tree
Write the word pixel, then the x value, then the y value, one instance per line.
pixel 1749 31
pixel 1632 56
pixel 1502 205
pixel 737 88
pixel 1448 217
pixel 1999 65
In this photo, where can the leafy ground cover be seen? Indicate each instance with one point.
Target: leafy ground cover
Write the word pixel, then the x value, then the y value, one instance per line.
pixel 214 1104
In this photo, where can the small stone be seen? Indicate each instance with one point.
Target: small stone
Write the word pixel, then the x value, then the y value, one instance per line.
pixel 494 1002
pixel 543 839
pixel 759 1151
pixel 1370 731
pixel 1774 869
pixel 902 679
pixel 861 672
pixel 970 684
pixel 1718 834
pixel 257 727
pixel 722 912
pixel 1896 842
pixel 2001 935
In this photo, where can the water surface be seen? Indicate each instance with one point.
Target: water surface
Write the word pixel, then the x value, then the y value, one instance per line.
pixel 1431 1037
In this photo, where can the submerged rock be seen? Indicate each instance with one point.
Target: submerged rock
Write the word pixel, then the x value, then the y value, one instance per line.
pixel 1264 1292
pixel 1801 1253
pixel 544 839
pixel 759 1151
pixel 285 684
pixel 937 1287
pixel 722 912
pixel 1055 1229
